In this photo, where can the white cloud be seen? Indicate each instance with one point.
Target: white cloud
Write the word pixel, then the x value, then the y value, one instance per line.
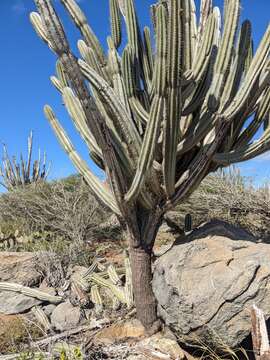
pixel 18 7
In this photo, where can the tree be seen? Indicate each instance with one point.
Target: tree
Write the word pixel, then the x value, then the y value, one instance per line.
pixel 157 121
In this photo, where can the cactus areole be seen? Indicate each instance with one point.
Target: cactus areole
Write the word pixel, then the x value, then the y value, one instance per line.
pixel 179 101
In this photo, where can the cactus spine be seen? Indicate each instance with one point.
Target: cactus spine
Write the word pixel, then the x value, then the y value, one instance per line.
pixel 158 119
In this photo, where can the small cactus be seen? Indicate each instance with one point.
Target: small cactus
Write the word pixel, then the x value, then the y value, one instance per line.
pixel 188 222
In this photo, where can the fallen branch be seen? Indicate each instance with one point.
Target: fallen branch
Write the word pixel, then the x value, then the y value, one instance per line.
pixel 93 325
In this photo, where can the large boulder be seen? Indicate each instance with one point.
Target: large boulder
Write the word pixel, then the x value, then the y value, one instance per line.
pixel 19 267
pixel 15 303
pixel 206 284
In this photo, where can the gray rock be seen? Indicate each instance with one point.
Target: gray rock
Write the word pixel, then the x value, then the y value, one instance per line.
pixel 15 303
pixel 206 285
pixel 65 316
pixel 19 267
pixel 48 309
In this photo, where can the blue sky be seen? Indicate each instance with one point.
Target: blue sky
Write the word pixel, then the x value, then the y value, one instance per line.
pixel 26 64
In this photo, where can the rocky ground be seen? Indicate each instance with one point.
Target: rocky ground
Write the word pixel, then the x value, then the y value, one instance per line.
pixel 205 285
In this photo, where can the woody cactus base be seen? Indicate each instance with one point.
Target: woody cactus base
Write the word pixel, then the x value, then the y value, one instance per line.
pixel 160 115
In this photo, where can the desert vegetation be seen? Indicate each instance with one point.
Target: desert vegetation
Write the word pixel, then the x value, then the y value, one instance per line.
pixel 170 247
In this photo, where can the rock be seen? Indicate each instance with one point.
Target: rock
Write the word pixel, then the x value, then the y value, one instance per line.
pixel 15 303
pixel 19 267
pixel 120 331
pixel 48 309
pixel 205 287
pixel 163 345
pixel 65 317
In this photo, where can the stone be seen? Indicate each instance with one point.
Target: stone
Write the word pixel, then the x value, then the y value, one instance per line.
pixel 65 317
pixel 120 331
pixel 206 285
pixel 163 345
pixel 16 303
pixel 48 309
pixel 47 289
pixel 19 267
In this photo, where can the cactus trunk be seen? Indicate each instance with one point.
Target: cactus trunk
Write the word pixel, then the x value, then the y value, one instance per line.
pixel 143 294
pixel 141 250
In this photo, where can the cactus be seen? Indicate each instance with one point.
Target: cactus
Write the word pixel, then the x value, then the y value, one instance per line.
pixel 16 174
pixel 160 115
pixel 40 295
pixel 41 318
pixel 96 299
pixel 188 222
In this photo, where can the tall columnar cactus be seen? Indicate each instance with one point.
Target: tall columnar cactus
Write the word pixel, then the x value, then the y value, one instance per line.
pixel 161 114
pixel 16 174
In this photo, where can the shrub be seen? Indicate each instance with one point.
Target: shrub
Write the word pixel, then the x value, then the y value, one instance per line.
pixel 63 208
pixel 228 196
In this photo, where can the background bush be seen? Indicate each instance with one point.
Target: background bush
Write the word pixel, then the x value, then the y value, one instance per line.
pixel 64 208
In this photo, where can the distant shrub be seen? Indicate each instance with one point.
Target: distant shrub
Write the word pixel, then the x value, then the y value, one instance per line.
pixel 64 208
pixel 228 196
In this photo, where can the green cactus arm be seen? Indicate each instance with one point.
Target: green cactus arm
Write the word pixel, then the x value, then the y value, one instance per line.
pixel 136 45
pixel 205 10
pixel 115 22
pixel 80 20
pixel 204 63
pixel 122 120
pixel 130 87
pixel 132 28
pixel 224 56
pixel 122 7
pixel 36 22
pixel 257 65
pixel 96 185
pixel 201 60
pixel 260 116
pixel 172 123
pixel 239 120
pixel 61 75
pixel 249 57
pixel 187 13
pixel 116 75
pixel 156 112
pixel 57 83
pixel 148 49
pixel 246 152
pixel 76 112
pixel 237 67
pixel 90 57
